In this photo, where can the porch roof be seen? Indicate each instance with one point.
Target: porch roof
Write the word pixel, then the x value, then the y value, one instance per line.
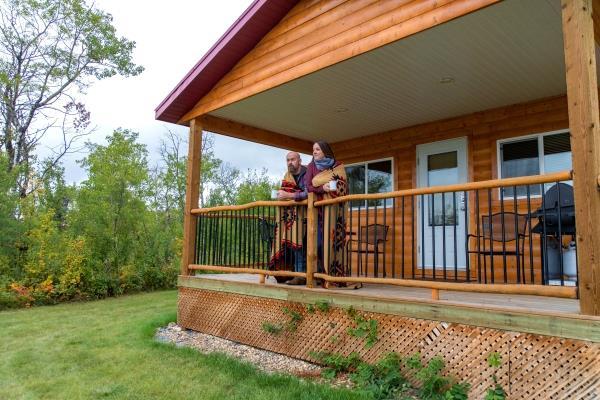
pixel 507 53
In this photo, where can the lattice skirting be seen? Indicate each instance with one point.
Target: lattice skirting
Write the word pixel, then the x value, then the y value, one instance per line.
pixel 534 366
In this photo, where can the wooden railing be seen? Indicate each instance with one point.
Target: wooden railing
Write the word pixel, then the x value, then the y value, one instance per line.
pixel 490 236
pixel 258 237
pixel 473 237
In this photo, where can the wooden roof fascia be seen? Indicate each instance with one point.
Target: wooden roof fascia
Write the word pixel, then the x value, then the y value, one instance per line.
pixel 244 34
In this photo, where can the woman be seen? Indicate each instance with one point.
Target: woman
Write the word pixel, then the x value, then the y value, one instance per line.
pixel 326 177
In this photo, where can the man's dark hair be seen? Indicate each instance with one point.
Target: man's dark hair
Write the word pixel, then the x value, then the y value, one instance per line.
pixel 326 149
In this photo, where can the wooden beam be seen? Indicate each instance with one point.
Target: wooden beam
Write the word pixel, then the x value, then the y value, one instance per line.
pixel 566 292
pixel 192 194
pixel 253 134
pixel 584 124
pixel 311 240
pixel 254 204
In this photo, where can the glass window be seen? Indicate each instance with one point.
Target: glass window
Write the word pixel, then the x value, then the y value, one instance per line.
pixel 442 169
pixel 356 181
pixel 370 177
pixel 521 157
pixel 557 153
pixel 379 180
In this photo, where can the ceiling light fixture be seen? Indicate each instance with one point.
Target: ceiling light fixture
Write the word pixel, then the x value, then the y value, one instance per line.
pixel 341 110
pixel 446 79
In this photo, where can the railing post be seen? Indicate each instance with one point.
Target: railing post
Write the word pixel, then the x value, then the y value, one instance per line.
pixel 311 240
pixel 584 124
pixel 192 194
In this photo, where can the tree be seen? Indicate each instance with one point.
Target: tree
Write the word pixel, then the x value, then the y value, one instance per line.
pixel 51 50
pixel 111 205
pixel 255 186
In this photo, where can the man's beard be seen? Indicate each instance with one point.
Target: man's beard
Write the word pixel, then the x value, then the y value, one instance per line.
pixel 293 170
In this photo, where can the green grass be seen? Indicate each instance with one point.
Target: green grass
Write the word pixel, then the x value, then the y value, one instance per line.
pixel 105 350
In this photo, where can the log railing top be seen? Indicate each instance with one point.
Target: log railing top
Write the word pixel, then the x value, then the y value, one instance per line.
pixel 283 203
pixel 489 184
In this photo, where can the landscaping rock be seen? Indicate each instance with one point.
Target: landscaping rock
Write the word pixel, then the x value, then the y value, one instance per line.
pixel 265 360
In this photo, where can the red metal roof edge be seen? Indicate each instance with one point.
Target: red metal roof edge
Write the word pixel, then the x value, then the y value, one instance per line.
pixel 258 19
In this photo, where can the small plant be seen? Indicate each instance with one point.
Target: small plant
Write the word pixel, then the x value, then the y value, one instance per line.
pixel 336 363
pixel 366 329
pixel 291 325
pixel 497 391
pixel 323 306
pixel 334 339
pixel 273 329
pixel 383 379
pixel 295 318
pixel 435 386
pixel 320 305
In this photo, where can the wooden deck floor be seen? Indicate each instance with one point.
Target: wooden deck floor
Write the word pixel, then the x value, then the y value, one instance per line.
pixel 497 302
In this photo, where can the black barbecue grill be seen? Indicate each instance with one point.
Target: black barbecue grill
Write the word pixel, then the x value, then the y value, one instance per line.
pixel 556 218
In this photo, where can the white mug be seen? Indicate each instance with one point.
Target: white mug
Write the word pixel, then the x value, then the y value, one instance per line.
pixel 333 185
pixel 274 193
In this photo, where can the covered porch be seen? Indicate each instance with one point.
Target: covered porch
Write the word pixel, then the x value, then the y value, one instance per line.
pixel 470 135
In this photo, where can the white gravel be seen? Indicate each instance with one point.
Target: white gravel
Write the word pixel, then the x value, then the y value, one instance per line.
pixel 265 360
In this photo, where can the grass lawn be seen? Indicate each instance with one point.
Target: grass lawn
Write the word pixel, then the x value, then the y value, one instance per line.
pixel 105 350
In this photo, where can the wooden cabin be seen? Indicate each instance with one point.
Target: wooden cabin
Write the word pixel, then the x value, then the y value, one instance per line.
pixel 469 132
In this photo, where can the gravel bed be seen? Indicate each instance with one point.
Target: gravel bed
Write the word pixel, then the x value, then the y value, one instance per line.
pixel 266 361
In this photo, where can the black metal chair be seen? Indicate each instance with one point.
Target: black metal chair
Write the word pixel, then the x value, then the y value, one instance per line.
pixel 370 240
pixel 501 228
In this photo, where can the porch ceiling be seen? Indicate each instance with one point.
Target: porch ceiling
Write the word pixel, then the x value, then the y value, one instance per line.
pixel 508 53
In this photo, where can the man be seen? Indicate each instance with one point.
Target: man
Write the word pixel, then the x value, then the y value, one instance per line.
pixel 294 188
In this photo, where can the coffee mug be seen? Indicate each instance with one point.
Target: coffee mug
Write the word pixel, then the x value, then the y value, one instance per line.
pixel 333 185
pixel 274 193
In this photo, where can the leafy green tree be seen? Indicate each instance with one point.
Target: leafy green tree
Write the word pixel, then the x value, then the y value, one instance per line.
pixel 255 186
pixel 9 226
pixel 224 185
pixel 111 208
pixel 50 50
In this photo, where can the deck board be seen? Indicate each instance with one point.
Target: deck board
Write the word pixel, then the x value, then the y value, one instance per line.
pixel 486 300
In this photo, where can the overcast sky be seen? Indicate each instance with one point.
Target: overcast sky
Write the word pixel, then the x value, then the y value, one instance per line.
pixel 170 38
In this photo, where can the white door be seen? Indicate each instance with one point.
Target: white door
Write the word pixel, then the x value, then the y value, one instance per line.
pixel 441 218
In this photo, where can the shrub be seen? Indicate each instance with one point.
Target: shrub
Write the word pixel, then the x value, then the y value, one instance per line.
pixel 433 385
pixel 383 379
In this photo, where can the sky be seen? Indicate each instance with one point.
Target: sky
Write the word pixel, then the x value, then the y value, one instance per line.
pixel 170 39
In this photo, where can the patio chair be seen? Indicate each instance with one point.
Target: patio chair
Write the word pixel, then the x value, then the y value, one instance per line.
pixel 501 227
pixel 371 240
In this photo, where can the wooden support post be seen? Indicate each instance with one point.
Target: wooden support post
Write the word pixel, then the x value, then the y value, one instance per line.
pixel 435 294
pixel 261 279
pixel 582 97
pixel 311 240
pixel 192 193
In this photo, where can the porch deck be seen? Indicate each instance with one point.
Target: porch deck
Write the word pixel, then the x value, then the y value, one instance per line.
pixel 491 301
pixel 558 317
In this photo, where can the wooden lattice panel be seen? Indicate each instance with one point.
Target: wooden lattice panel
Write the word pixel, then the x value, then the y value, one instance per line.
pixel 534 366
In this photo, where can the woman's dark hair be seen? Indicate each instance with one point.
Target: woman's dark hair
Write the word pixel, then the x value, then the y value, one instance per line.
pixel 326 149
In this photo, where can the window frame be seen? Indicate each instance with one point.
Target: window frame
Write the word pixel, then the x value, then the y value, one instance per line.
pixel 541 156
pixel 365 164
